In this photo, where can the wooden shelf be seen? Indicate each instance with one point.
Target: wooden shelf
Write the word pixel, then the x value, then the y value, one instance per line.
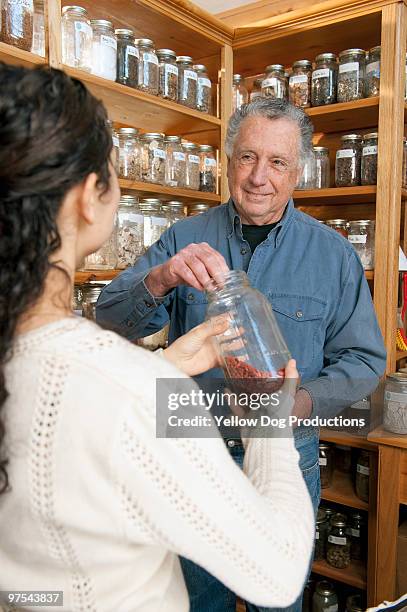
pixel 18 57
pixel 335 196
pixel 342 492
pixel 381 436
pixel 401 355
pixel 345 116
pixel 346 439
pixel 169 193
pixel 369 274
pixel 354 575
pixel 95 275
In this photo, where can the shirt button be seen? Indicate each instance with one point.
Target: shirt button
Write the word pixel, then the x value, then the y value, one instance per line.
pixel 148 304
pixel 243 250
pixel 298 314
pixel 130 324
pixel 191 297
pixel 230 443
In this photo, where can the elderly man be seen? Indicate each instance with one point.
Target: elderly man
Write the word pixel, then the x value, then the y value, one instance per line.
pixel 311 275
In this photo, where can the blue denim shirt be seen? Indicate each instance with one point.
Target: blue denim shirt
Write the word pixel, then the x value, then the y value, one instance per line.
pixel 312 277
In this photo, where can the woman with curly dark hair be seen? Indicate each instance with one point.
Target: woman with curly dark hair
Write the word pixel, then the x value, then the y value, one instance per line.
pixel 93 503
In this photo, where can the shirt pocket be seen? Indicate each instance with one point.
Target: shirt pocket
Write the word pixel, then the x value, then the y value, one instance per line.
pixel 191 305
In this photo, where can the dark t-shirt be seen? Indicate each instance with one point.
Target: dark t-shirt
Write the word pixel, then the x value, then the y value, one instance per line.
pixel 255 234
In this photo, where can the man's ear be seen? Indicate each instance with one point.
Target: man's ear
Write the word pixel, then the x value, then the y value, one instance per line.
pixel 88 198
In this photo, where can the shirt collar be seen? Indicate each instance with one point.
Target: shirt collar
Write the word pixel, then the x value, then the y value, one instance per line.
pixel 281 227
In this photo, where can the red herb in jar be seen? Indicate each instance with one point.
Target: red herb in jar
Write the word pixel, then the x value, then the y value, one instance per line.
pixel 260 380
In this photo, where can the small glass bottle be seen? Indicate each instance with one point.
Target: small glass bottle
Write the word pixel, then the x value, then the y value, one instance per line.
pixel 204 89
pixel 395 403
pixel 148 70
pixel 197 208
pixel 324 80
pixel 274 85
pixel 152 158
pixel 361 234
pixel 362 476
pixel 256 92
pixel 300 84
pixel 175 162
pixel 368 171
pixel 127 58
pixel 347 162
pixel 38 44
pixel 351 76
pixel 129 154
pixel 16 23
pixel 339 225
pixel 76 38
pixel 330 512
pixel 104 258
pixel 372 81
pixel 343 458
pixel 155 220
pixel 104 49
pixel 168 83
pixel 338 547
pixel 240 94
pixel 192 165
pixel 307 180
pixel 324 598
pixel 321 535
pixel 90 293
pixel 358 540
pixel 326 465
pixel 321 168
pixel 208 171
pixel 404 170
pixel 187 82
pixel 130 231
pixel 174 210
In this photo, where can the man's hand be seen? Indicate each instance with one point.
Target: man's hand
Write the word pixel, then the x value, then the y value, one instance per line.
pixel 194 266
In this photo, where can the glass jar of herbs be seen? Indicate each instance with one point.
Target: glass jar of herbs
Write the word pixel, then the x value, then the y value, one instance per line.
pixel 324 80
pixel 168 69
pixel 351 75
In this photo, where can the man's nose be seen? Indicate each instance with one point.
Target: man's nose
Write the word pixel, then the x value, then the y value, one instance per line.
pixel 259 174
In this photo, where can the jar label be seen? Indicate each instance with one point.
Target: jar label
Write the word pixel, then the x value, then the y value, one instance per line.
pixel 159 153
pixel 373 67
pixel 333 608
pixel 133 51
pixel 370 150
pixel 270 82
pixel 170 69
pixel 81 26
pixel 190 74
pixel 151 58
pixel 210 162
pixel 400 398
pixel 108 41
pixel 322 73
pixel 355 533
pixel 204 82
pixel 337 540
pixel 323 461
pixel 162 222
pixel 357 238
pixel 298 78
pixel 362 469
pixel 194 159
pixel 349 67
pixel 132 218
pixel 345 153
pixel 317 535
pixel 179 156
pixel 115 141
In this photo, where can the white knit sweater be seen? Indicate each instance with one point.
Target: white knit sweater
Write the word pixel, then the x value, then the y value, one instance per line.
pixel 99 507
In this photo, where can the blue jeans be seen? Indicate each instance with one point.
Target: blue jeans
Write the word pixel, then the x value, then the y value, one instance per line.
pixel 206 593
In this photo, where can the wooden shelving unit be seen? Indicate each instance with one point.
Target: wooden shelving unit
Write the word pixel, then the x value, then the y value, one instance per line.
pixel 345 116
pixel 354 575
pixel 342 492
pixel 18 57
pixel 168 193
pixel 336 196
pixel 86 276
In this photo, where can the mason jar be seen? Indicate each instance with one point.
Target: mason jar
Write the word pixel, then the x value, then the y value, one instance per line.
pixel 152 158
pixel 395 403
pixel 174 210
pixel 76 38
pixel 355 603
pixel 338 546
pixel 256 92
pixel 324 598
pixel 324 80
pixel 148 70
pixel 175 162
pixel 16 23
pixel 358 539
pixel 321 535
pixel 348 160
pixel 321 168
pixel 372 81
pixel 299 84
pixel 339 225
pixel 168 69
pixel 351 75
pixel 307 179
pixel 129 154
pixel 104 49
pixel 127 58
pixel 104 258
pixel 343 458
pixel 38 43
pixel 130 231
pixel 90 295
pixel 362 476
pixel 155 220
pixel 208 170
pixel 187 82
pixel 192 165
pixel 240 95
pixel 197 208
pixel 326 464
pixel 204 89
pixel 274 85
pixel 361 234
pixel 368 171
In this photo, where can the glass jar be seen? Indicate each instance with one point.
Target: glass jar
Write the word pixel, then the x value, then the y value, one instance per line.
pixel 326 465
pixel 155 220
pixel 338 547
pixel 91 294
pixel 362 236
pixel 76 38
pixel 130 231
pixel 395 403
pixel 321 535
pixel 368 170
pixel 321 167
pixel 343 458
pixel 38 44
pixel 330 512
pixel 187 82
pixel 197 208
pixel 324 80
pixel 192 165
pixel 324 598
pixel 148 70
pixel 339 225
pixel 347 162
pixel 175 162
pixel 358 539
pixel 204 89
pixel 362 476
pixel 240 95
pixel 404 170
pixel 274 85
pixel 300 84
pixel 174 210
pixel 208 170
pixel 354 603
pixel 256 92
pixel 351 75
pixel 129 154
pixel 246 354
pixel 307 180
pixel 127 58
pixel 104 258
pixel 168 69
pixel 152 158
pixel 372 80
pixel 77 297
pixel 16 23
pixel 104 49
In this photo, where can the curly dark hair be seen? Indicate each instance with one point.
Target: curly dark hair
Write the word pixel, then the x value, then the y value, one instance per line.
pixel 53 133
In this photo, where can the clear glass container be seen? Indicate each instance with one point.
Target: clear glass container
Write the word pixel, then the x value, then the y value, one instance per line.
pixel 38 44
pixel 299 84
pixel 330 512
pixel 307 180
pixel 204 89
pixel 192 165
pixel 321 535
pixel 362 236
pixel 115 143
pixel 76 38
pixel 130 231
pixel 358 537
pixel 175 162
pixel 321 168
pixel 174 210
pixel 155 220
pixel 208 169
pixel 256 92
pixel 197 208
pixel 324 80
pixel 104 258
pixel 347 161
pixel 252 347
pixel 148 69
pixel 127 58
pixel 187 82
pixel 351 75
pixel 339 225
pixel 90 294
pixel 343 458
pixel 16 23
pixel 274 84
pixel 362 476
pixel 326 464
pixel 168 69
pixel 77 297
pixel 404 170
pixel 324 598
pixel 338 546
pixel 395 403
pixel 240 95
pixel 368 170
pixel 355 603
pixel 152 158
pixel 372 81
pixel 104 49
pixel 129 153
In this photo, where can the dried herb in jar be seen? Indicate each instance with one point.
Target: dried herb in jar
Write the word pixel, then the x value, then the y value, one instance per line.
pixel 300 84
pixel 348 159
pixel 204 89
pixel 152 158
pixel 338 547
pixel 324 80
pixel 368 173
pixel 168 85
pixel 17 23
pixel 351 77
pixel 127 58
pixel 249 379
pixel 148 71
pixel 187 82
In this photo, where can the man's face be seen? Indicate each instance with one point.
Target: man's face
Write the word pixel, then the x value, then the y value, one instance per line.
pixel 263 169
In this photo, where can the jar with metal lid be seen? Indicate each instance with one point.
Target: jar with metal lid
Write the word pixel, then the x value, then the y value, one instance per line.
pixel 90 294
pixel 208 170
pixel 240 95
pixel 127 58
pixel 326 464
pixel 338 547
pixel 187 82
pixel 321 535
pixel 368 171
pixel 129 153
pixel 204 89
pixel 38 43
pixel 152 158
pixel 358 539
pixel 168 69
pixel 351 75
pixel 130 231
pixel 404 170
pixel 307 179
pixel 104 49
pixel 77 297
pixel 175 162
pixel 192 165
pixel 197 208
pixel 324 598
pixel 321 167
pixel 155 220
pixel 299 84
pixel 339 225
pixel 174 210
pixel 330 512
pixel 362 236
pixel 362 476
pixel 76 38
pixel 104 258
pixel 347 162
pixel 274 85
pixel 324 80
pixel 372 80
pixel 343 458
pixel 148 70
pixel 395 403
pixel 354 603
pixel 256 92
pixel 16 23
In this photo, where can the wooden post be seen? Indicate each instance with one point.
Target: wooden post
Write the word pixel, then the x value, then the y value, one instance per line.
pixel 53 32
pixel 226 79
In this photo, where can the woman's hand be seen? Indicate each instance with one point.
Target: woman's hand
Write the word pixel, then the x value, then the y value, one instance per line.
pixel 195 352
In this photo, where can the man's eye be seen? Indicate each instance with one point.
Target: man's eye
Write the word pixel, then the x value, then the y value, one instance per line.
pixel 278 162
pixel 247 158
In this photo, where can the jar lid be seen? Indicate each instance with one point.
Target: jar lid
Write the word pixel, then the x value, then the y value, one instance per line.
pixel 205 148
pixel 277 67
pixel 173 139
pixel 321 149
pixel 152 136
pixel 199 68
pixel 144 42
pixel 351 137
pixel 74 9
pixel 92 292
pixel 123 32
pixel 325 56
pixel 323 446
pixel 173 205
pixel 361 223
pixel 336 222
pixel 329 511
pixel 128 131
pixel 325 588
pixel 166 53
pixel 399 376
pixel 198 206
pixel 321 516
pixel 376 49
pixel 338 520
pixel 128 200
pixel 302 64
pixel 351 52
pixel 150 204
pixel 371 135
pixel 184 59
pixel 101 22
pixel 237 78
pixel 190 146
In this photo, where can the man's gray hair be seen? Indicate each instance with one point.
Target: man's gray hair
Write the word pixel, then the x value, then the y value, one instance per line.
pixel 271 109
